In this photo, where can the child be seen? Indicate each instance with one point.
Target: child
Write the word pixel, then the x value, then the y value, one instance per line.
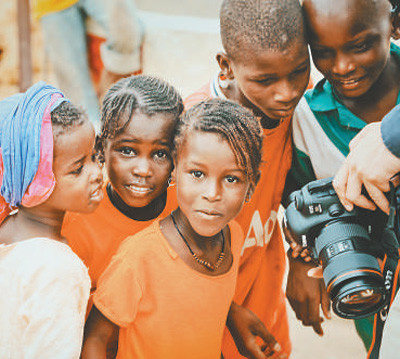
pixel 170 286
pixel 138 123
pixel 47 167
pixel 265 67
pixel 350 45
pixel 139 118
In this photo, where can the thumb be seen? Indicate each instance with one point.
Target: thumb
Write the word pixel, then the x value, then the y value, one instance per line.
pixel 315 272
pixel 270 344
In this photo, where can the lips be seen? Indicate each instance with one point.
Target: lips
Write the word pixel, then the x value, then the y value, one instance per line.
pixel 209 213
pixel 139 189
pixel 96 195
pixel 348 83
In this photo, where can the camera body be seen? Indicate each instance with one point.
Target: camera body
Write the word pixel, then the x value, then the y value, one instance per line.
pixel 344 243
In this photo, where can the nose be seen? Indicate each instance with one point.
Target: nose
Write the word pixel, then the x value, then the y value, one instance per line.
pixel 142 167
pixel 212 191
pixel 342 65
pixel 286 92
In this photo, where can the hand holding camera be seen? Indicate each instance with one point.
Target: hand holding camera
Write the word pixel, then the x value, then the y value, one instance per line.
pixel 346 245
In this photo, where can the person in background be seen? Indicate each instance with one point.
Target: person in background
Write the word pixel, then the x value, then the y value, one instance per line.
pixel 64 32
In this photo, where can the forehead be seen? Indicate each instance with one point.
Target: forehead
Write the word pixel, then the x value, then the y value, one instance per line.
pixel 143 128
pixel 73 144
pixel 207 148
pixel 345 16
pixel 275 61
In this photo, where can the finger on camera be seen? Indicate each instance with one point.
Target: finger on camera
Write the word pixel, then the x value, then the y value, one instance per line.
pixel 378 197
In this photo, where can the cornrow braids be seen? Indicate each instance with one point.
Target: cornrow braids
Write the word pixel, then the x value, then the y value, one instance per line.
pixel 260 25
pixel 236 124
pixel 65 116
pixel 145 94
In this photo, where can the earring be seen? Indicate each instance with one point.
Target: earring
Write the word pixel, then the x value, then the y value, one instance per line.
pixel 222 81
pixel 170 182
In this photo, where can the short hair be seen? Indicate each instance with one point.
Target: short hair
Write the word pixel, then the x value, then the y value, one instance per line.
pixel 233 122
pixel 65 116
pixel 146 94
pixel 260 25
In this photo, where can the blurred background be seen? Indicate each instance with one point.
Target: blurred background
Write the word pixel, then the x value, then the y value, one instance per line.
pixel 180 44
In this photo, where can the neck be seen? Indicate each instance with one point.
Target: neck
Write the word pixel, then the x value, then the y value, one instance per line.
pixel 146 213
pixel 31 223
pixel 195 240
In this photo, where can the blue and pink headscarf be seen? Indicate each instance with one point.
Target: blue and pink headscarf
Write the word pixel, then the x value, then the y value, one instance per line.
pixel 26 147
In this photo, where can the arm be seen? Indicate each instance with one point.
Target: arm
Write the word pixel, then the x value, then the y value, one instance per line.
pixel 245 327
pixel 99 332
pixel 306 295
pixel 373 160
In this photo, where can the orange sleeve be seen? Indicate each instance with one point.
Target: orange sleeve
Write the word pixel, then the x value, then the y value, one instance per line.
pixel 118 292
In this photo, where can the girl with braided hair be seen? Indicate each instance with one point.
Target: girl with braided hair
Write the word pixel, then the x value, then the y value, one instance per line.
pixel 139 116
pixel 169 287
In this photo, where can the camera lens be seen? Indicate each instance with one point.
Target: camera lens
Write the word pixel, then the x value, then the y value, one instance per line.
pixel 351 272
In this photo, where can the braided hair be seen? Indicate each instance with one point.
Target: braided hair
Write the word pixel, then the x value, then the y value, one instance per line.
pixel 145 94
pixel 65 116
pixel 233 122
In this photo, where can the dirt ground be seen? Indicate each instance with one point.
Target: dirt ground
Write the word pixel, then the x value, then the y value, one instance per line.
pixel 180 47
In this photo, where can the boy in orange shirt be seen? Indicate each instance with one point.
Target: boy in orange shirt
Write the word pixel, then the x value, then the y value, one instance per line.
pixel 265 67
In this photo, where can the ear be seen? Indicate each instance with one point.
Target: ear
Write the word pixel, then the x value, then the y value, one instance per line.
pixel 225 64
pixel 249 194
pixel 396 26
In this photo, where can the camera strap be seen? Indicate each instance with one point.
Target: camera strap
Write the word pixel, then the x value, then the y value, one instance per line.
pixel 391 266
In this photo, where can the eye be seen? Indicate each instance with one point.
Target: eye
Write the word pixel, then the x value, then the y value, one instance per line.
pixel 197 174
pixel 127 151
pixel 161 154
pixel 78 171
pixel 319 52
pixel 301 70
pixel 362 46
pixel 232 179
pixel 266 81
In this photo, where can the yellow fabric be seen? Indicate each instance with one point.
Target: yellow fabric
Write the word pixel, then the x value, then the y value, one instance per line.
pixel 44 7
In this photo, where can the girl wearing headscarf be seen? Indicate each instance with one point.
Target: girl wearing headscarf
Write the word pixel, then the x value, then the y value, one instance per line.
pixel 47 166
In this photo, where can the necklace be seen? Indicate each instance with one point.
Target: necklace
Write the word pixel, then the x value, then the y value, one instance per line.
pixel 203 262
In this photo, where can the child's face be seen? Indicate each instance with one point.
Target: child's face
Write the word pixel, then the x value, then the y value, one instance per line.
pixel 78 174
pixel 138 160
pixel 210 186
pixel 273 81
pixel 349 42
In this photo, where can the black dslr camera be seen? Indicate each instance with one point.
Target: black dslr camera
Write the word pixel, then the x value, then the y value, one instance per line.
pixel 346 244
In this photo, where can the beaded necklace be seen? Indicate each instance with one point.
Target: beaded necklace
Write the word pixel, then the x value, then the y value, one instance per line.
pixel 203 262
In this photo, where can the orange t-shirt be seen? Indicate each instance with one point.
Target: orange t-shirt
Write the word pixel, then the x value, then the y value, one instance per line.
pixel 164 308
pixel 263 262
pixel 95 237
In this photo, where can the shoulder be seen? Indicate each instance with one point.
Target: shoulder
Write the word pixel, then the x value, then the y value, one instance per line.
pixel 146 240
pixel 55 259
